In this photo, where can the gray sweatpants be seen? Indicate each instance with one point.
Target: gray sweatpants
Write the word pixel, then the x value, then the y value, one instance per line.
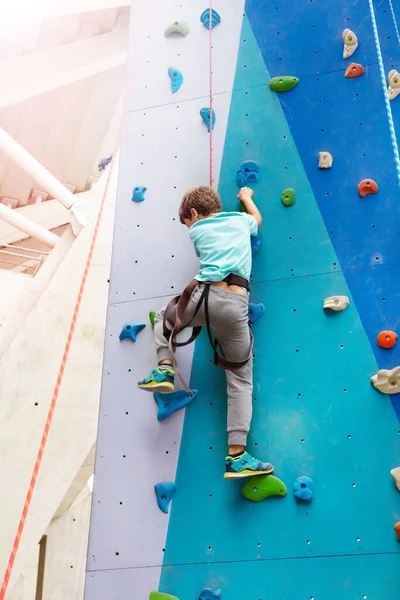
pixel 228 313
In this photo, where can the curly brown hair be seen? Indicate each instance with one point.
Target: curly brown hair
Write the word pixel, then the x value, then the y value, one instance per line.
pixel 204 199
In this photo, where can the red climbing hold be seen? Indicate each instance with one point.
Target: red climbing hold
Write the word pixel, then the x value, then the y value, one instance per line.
pixel 367 186
pixel 387 339
pixel 354 70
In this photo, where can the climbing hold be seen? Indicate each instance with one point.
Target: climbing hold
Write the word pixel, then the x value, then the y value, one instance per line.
pixel 205 115
pixel 138 193
pixel 287 197
pixel 249 172
pixel 255 243
pixel 130 331
pixel 387 339
pixel 262 486
pixel 387 381
pixel 255 311
pixel 336 303
pixel 161 596
pixel 303 489
pixel 170 403
pixel 176 78
pixel 165 492
pixel 367 186
pixel 104 162
pixel 283 84
pixel 394 84
pixel 397 530
pixel 354 70
pixel 152 316
pixel 325 160
pixel 181 27
pixel 208 594
pixel 395 473
pixel 205 18
pixel 350 42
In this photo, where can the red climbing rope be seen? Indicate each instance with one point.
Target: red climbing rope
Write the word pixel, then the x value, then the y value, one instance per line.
pixel 211 97
pixel 72 328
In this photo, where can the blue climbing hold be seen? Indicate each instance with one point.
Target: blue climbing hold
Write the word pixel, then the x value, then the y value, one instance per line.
pixel 205 18
pixel 170 403
pixel 205 115
pixel 130 331
pixel 303 488
pixel 255 243
pixel 255 311
pixel 138 193
pixel 104 162
pixel 165 491
pixel 249 172
pixel 208 594
pixel 176 78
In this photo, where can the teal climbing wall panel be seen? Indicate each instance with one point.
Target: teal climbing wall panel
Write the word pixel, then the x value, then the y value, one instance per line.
pixel 315 411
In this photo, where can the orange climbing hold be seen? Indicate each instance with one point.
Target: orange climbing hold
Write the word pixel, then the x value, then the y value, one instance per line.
pixel 354 70
pixel 397 530
pixel 367 186
pixel 387 339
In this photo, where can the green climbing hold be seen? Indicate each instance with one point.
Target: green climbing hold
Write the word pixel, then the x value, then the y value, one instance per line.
pixel 161 596
pixel 152 316
pixel 283 83
pixel 263 486
pixel 288 197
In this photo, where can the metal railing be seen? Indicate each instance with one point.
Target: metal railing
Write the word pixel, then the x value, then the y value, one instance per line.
pixel 34 258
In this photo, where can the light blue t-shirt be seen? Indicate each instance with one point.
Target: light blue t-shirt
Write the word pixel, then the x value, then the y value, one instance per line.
pixel 222 243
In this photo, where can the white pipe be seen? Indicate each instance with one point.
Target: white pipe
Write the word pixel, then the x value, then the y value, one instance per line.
pixel 30 227
pixel 37 171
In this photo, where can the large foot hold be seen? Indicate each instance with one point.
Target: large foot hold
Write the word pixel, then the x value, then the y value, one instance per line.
pixel 259 488
pixel 325 160
pixel 303 489
pixel 249 172
pixel 205 18
pixel 350 41
pixel 130 331
pixel 336 303
pixel 181 27
pixel 397 530
pixel 205 115
pixel 208 594
pixel 138 193
pixel 287 197
pixel 170 403
pixel 283 84
pixel 387 381
pixel 367 186
pixel 394 84
pixel 161 596
pixel 176 78
pixel 245 466
pixel 354 70
pixel 165 491
pixel 387 339
pixel 256 311
pixel 395 473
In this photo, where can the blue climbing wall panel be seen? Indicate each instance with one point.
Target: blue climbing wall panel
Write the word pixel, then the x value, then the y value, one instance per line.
pixel 315 411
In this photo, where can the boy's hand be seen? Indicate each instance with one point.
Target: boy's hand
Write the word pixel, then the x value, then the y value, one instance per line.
pixel 245 194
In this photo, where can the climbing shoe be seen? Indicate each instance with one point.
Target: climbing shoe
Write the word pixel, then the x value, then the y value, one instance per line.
pixel 160 379
pixel 245 465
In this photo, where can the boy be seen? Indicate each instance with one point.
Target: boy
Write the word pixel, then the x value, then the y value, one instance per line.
pixel 218 298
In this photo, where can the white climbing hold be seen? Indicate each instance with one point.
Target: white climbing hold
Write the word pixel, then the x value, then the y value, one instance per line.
pixel 181 27
pixel 325 160
pixel 395 473
pixel 394 84
pixel 336 303
pixel 350 42
pixel 387 381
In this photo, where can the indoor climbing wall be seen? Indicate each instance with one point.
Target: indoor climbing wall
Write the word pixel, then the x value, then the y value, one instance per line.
pixel 316 413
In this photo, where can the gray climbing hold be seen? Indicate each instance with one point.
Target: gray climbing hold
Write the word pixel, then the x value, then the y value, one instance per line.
pixel 165 491
pixel 181 27
pixel 176 78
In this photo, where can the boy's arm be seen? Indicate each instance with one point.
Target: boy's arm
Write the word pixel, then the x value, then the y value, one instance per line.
pixel 246 196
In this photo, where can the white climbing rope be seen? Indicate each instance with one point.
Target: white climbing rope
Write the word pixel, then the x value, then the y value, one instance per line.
pixel 394 21
pixel 385 92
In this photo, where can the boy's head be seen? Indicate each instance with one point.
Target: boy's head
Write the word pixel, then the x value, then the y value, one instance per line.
pixel 199 203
